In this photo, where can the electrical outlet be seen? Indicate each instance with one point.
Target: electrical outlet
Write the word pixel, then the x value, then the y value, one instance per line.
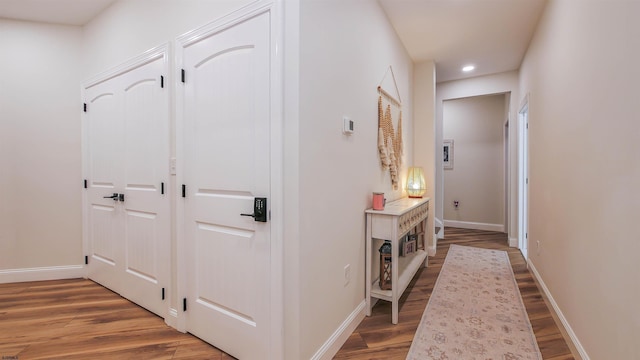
pixel 538 247
pixel 347 274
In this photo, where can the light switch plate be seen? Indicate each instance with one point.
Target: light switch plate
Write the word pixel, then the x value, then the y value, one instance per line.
pixel 172 166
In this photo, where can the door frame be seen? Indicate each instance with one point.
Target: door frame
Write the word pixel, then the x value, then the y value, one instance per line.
pixel 274 9
pixel 523 175
pixel 153 54
pixel 507 167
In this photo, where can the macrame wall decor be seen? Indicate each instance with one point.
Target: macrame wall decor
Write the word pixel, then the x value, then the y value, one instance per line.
pixel 390 144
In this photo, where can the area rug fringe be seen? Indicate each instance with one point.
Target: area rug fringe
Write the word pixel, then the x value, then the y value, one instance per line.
pixel 475 311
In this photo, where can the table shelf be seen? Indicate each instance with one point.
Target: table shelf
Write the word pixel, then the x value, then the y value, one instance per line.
pixel 399 218
pixel 409 265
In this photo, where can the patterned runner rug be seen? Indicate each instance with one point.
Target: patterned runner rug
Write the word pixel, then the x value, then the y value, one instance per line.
pixel 475 311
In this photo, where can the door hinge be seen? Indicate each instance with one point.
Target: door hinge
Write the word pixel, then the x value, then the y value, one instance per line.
pixel 184 304
pixel 86 186
pixel 161 81
pixel 86 260
pixel 84 107
pixel 184 190
pixel 527 126
pixel 162 293
pixel 182 75
pixel 527 181
pixel 161 188
pixel 526 235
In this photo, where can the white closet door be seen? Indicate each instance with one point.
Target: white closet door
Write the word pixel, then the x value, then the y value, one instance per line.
pixel 145 170
pixel 104 158
pixel 226 123
pixel 128 154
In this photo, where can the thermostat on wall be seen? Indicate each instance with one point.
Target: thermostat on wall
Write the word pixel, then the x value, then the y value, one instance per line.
pixel 347 128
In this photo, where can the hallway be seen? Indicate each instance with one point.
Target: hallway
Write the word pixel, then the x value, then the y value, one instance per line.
pixel 377 338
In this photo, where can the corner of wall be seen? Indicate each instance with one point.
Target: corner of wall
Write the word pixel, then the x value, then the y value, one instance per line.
pixel 424 132
pixel 329 349
pixel 565 328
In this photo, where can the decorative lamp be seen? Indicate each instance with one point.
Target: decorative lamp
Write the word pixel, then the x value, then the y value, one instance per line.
pixel 416 186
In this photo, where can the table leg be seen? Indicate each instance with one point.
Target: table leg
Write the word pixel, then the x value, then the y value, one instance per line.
pixel 394 311
pixel 367 261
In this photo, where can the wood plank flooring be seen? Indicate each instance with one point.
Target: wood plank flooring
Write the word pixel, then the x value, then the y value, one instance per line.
pixel 377 338
pixel 79 319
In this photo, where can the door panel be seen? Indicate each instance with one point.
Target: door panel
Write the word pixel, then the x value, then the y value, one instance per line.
pixel 224 293
pixel 141 261
pixel 128 152
pixel 104 224
pixel 104 146
pixel 145 167
pixel 227 163
pixel 104 136
pixel 139 122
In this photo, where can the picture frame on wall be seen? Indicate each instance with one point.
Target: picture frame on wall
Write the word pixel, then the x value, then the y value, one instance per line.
pixel 447 155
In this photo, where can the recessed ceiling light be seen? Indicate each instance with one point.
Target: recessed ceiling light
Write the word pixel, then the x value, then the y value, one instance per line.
pixel 468 68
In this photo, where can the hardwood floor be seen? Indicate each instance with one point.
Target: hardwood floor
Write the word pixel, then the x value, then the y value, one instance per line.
pixel 79 319
pixel 377 338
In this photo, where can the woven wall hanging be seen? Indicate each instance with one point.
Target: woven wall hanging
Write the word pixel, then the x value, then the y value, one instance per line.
pixel 390 144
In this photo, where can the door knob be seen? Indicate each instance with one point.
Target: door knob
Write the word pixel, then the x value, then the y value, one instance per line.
pixel 114 197
pixel 259 210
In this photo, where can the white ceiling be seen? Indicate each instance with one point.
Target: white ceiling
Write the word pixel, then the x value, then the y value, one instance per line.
pixel 66 12
pixel 493 35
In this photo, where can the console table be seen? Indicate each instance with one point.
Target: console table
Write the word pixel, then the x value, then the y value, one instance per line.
pixel 396 220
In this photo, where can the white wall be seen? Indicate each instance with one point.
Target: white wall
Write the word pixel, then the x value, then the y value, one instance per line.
pixel 345 50
pixel 129 27
pixel 292 163
pixel 424 149
pixel 40 210
pixel 582 74
pixel 476 126
pixel 483 85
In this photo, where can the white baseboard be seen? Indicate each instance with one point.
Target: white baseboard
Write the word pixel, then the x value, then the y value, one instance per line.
pixel 513 242
pixel 572 335
pixel 330 348
pixel 438 223
pixel 474 225
pixel 42 273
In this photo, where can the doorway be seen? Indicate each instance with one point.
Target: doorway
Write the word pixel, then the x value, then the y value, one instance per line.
pixel 475 179
pixel 126 202
pixel 523 178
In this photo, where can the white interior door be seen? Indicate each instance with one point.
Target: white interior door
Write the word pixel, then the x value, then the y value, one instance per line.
pixel 523 181
pixel 103 129
pixel 127 147
pixel 226 141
